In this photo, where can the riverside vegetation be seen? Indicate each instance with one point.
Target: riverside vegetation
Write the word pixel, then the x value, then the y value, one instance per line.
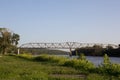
pixel 47 67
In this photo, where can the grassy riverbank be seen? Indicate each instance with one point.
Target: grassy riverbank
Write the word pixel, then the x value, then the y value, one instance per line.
pixel 26 67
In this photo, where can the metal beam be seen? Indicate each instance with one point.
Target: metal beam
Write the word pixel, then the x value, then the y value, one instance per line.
pixel 64 45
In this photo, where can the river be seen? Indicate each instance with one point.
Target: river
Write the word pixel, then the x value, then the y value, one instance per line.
pixel 99 60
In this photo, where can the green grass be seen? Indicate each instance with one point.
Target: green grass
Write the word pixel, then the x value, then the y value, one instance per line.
pixel 12 68
pixel 26 67
pixel 17 68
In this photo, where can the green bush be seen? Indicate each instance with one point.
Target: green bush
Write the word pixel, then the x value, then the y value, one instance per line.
pixel 109 68
pixel 25 55
pixel 42 58
pixel 83 65
pixel 82 57
pixel 80 64
pixel 48 58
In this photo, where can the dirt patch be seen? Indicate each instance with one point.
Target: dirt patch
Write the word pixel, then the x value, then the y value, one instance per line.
pixel 68 75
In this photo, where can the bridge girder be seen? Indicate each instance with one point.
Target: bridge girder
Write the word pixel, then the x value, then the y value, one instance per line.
pixel 64 45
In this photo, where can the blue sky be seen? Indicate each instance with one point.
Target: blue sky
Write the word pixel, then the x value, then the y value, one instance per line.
pixel 89 21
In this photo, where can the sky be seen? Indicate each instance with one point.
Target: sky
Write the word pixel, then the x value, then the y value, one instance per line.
pixel 85 21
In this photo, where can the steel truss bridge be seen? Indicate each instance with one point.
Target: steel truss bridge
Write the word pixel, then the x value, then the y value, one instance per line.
pixel 64 45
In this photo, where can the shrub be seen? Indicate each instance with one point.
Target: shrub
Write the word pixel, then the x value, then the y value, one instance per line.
pixel 108 68
pixel 25 56
pixel 82 57
pixel 41 58
pixel 83 65
pixel 56 59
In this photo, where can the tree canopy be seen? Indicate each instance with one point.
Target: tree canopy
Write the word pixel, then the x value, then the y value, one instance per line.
pixel 8 40
pixel 98 50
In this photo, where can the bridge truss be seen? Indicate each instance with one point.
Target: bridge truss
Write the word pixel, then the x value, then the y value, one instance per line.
pixel 64 45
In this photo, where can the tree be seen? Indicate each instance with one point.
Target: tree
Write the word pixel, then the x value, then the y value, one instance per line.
pixel 109 47
pixel 97 50
pixel 7 39
pixel 15 39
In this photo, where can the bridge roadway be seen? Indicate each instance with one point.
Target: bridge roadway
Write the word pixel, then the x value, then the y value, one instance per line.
pixel 64 45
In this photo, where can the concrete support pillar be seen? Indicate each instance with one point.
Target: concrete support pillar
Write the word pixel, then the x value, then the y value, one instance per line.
pixel 70 52
pixel 18 51
pixel 76 53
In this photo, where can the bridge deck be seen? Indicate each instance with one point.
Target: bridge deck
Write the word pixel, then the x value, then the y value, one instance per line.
pixel 65 45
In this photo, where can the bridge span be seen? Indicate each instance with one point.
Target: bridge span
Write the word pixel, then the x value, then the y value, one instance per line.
pixel 64 45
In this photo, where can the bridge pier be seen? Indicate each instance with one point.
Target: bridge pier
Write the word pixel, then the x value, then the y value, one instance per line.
pixel 70 54
pixel 18 52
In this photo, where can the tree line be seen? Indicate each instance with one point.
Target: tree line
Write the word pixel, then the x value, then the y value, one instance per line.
pixel 8 41
pixel 98 50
